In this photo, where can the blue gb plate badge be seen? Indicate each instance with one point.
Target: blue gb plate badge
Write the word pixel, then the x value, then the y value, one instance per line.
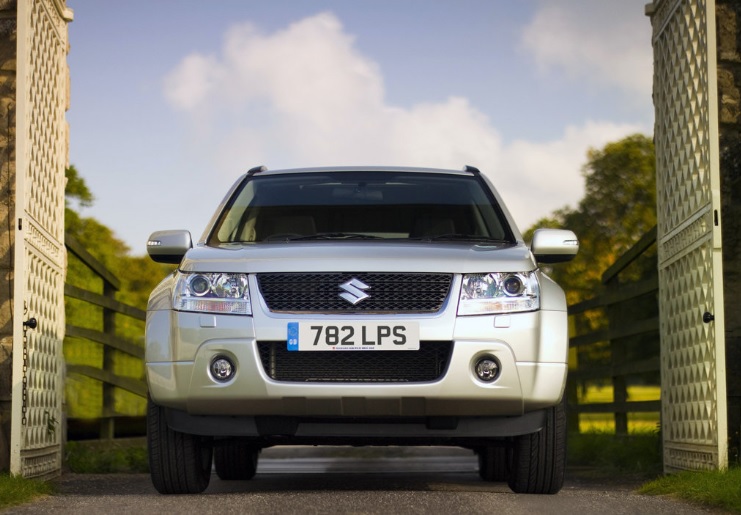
pixel 292 336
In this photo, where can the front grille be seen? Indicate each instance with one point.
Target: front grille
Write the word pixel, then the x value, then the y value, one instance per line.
pixel 388 292
pixel 429 363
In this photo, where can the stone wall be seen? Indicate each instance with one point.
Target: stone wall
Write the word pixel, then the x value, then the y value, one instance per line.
pixel 7 213
pixel 728 19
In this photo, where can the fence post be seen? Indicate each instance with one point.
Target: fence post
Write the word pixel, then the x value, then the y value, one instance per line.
pixel 572 387
pixel 616 318
pixel 107 422
pixel 572 415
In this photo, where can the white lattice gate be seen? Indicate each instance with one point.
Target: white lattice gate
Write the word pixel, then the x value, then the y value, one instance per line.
pixel 689 234
pixel 41 157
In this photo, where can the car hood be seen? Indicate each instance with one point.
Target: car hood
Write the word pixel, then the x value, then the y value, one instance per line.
pixel 356 256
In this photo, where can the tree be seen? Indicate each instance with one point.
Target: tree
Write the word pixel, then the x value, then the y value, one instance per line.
pixel 76 188
pixel 618 208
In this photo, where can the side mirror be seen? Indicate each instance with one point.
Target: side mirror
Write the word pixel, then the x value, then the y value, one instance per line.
pixel 169 246
pixel 554 245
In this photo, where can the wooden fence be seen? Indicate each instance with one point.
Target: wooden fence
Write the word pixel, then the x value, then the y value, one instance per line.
pixel 631 312
pixel 106 337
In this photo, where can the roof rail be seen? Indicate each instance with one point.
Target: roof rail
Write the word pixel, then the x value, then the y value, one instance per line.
pixel 257 169
pixel 472 169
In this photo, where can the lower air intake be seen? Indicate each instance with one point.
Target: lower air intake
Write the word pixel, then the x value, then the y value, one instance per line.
pixel 424 365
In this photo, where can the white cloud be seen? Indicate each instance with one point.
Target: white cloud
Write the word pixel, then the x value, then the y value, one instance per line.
pixel 605 42
pixel 305 96
pixel 309 70
pixel 194 80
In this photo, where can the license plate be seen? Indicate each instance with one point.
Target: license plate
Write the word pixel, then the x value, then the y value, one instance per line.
pixel 365 336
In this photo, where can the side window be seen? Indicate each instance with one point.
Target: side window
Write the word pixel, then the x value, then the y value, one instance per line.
pixel 233 226
pixel 487 215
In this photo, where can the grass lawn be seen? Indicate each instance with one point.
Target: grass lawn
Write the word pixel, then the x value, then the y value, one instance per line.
pixel 601 422
pixel 637 455
pixel 103 457
pixel 718 489
pixel 15 490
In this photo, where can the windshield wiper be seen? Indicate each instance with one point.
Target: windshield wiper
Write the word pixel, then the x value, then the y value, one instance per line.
pixel 459 237
pixel 335 236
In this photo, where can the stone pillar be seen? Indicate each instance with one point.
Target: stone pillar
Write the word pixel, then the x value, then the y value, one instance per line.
pixel 728 19
pixel 7 210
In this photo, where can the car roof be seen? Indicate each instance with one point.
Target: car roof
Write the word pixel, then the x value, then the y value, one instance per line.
pixel 261 170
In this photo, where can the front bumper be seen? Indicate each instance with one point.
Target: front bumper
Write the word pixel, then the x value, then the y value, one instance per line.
pixel 531 348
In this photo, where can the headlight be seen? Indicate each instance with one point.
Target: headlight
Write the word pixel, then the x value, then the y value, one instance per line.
pixel 499 293
pixel 213 293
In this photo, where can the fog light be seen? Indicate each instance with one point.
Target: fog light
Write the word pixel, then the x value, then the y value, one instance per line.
pixel 222 369
pixel 487 369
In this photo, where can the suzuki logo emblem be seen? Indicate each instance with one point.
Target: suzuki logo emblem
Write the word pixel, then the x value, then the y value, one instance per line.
pixel 354 291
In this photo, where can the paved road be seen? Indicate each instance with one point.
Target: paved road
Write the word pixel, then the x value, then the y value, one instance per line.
pixel 305 481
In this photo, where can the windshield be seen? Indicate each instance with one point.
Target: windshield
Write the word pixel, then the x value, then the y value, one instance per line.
pixel 360 205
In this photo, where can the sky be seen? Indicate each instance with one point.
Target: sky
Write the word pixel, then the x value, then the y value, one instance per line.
pixel 173 100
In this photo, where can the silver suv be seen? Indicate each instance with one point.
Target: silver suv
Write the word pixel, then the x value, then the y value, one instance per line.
pixel 357 306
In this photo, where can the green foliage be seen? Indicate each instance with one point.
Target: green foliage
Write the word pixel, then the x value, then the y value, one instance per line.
pixel 15 490
pixel 105 457
pixel 76 188
pixel 718 489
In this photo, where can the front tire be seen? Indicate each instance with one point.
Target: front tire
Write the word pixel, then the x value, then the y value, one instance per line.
pixel 493 463
pixel 236 461
pixel 538 460
pixel 179 463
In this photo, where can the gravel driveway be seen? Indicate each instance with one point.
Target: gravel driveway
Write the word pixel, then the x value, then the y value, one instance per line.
pixel 316 481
